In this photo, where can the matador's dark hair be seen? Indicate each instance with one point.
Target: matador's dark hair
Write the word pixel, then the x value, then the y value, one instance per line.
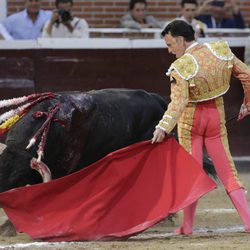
pixel 179 28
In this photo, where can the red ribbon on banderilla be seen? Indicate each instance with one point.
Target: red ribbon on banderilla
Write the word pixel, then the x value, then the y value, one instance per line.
pixel 37 164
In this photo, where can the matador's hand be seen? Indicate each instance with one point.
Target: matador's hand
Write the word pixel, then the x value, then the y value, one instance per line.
pixel 243 112
pixel 158 136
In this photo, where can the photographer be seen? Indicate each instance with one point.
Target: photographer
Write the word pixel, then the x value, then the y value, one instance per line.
pixel 63 25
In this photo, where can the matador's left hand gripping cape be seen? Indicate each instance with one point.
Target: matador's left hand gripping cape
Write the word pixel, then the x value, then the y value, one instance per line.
pixel 201 74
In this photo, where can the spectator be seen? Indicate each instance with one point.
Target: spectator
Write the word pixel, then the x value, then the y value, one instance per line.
pixel 221 14
pixel 4 35
pixel 63 24
pixel 136 17
pixel 27 24
pixel 188 10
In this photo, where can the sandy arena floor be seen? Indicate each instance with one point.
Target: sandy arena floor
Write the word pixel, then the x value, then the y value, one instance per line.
pixel 217 227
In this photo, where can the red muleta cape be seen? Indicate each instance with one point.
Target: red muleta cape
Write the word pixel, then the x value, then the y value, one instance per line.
pixel 122 194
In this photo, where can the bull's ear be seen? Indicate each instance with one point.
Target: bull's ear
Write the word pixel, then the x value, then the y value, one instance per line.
pixel 2 147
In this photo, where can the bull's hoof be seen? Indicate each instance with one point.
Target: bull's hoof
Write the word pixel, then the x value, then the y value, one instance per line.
pixel 7 229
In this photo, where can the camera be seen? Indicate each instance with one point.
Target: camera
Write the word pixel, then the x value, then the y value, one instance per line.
pixel 65 15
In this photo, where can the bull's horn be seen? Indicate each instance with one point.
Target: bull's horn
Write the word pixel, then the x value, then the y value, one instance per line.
pixel 2 147
pixel 42 169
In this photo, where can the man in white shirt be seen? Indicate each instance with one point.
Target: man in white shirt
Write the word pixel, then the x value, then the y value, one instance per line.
pixel 63 25
pixel 28 23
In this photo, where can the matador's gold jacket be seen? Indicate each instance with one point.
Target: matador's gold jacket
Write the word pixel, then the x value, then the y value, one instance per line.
pixel 201 74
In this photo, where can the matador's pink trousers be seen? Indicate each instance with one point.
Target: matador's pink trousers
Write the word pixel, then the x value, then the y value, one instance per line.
pixel 203 124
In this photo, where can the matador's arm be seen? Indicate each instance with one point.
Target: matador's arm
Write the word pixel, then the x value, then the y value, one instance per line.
pixel 242 72
pixel 179 99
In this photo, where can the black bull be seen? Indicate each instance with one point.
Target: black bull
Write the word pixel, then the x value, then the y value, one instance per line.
pixel 95 124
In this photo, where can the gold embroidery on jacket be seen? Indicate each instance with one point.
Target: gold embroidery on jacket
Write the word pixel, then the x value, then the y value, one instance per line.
pixel 221 50
pixel 213 78
pixel 186 67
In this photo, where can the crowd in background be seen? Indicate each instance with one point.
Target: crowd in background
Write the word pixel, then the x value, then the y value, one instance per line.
pixel 33 22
